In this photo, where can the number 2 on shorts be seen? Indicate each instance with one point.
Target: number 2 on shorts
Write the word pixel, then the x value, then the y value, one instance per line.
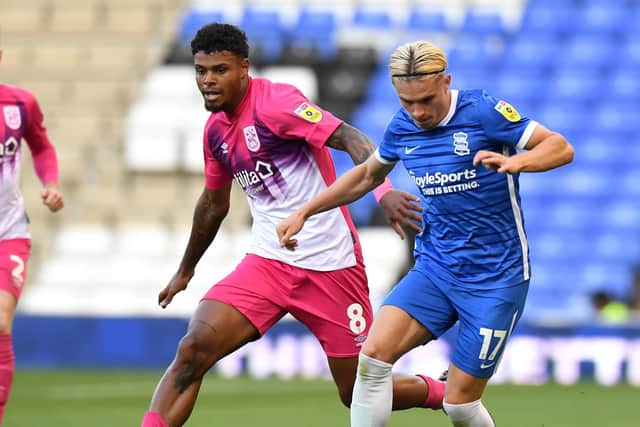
pixel 16 273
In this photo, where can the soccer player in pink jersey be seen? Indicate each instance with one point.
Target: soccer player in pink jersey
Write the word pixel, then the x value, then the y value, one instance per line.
pixel 273 141
pixel 21 118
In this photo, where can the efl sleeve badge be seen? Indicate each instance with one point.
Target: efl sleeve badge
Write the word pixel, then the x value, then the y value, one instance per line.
pixel 507 111
pixel 309 113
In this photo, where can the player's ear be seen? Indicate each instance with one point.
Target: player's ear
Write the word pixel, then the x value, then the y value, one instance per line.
pixel 244 65
pixel 447 81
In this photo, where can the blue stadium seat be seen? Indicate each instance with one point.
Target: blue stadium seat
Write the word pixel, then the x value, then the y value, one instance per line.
pixel 600 148
pixel 578 215
pixel 565 117
pixel 543 19
pixel 616 115
pixel 470 78
pixel 265 31
pixel 372 118
pixel 521 86
pixel 581 85
pixel 603 18
pixel 541 186
pixel 362 210
pixel 473 52
pixel 614 4
pixel 535 208
pixel 380 87
pixel 483 23
pixel 623 83
pixel 549 4
pixel 372 18
pixel 614 277
pixel 588 183
pixel 427 21
pixel 629 56
pixel 554 275
pixel 549 246
pixel 617 246
pixel 316 28
pixel 623 214
pixel 535 51
pixel 342 161
pixel 630 178
pixel 593 51
pixel 193 19
pixel 320 21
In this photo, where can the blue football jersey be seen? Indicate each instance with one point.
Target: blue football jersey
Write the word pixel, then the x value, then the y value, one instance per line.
pixel 473 228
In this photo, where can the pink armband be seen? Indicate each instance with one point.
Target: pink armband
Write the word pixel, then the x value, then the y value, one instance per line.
pixel 382 189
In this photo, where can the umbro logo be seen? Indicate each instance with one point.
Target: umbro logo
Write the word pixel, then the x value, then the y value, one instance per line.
pixel 408 150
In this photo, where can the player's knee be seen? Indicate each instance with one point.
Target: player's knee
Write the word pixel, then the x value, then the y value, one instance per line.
pixel 193 351
pixel 472 414
pixel 376 351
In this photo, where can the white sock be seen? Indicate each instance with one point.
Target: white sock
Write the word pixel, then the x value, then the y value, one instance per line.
pixel 472 414
pixel 372 394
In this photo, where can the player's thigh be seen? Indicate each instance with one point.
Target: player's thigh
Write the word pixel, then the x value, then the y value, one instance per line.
pixel 487 318
pixel 335 306
pixel 415 312
pixel 14 256
pixel 257 289
pixel 393 333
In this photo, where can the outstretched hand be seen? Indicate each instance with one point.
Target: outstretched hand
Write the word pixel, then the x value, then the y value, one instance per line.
pixel 288 228
pixel 497 162
pixel 177 284
pixel 52 197
pixel 402 209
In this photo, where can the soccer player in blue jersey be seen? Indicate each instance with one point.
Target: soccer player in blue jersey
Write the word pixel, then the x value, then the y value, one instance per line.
pixel 461 147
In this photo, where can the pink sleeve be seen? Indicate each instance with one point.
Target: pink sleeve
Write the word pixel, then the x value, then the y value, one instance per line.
pixel 216 175
pixel 290 115
pixel 45 160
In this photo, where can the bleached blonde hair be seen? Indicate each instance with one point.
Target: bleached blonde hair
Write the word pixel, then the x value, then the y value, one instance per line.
pixel 417 59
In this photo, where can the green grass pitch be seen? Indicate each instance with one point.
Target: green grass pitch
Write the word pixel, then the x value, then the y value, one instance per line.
pixel 114 399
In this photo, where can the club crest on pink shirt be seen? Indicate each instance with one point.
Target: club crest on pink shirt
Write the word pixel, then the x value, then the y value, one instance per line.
pixel 12 117
pixel 251 137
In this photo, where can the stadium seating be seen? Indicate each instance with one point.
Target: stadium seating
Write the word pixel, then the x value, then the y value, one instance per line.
pixel 570 64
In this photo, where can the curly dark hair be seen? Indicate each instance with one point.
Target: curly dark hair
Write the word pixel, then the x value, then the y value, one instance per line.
pixel 217 37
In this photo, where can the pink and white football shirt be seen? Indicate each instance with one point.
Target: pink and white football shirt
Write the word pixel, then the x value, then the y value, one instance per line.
pixel 20 117
pixel 273 146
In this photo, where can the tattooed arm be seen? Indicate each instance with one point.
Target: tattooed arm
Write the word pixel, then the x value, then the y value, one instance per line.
pixel 211 209
pixel 349 139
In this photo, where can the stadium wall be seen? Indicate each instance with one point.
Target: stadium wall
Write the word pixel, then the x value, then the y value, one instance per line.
pixel 536 355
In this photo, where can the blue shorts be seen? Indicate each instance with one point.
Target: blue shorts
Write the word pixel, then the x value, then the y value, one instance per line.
pixel 487 316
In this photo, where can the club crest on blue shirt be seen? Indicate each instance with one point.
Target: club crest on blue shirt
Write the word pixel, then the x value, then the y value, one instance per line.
pixel 251 137
pixel 12 117
pixel 460 144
